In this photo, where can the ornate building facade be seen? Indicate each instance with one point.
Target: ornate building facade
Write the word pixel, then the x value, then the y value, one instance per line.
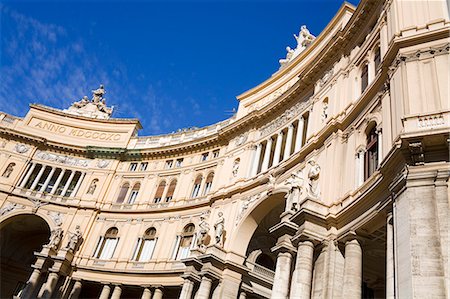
pixel 331 181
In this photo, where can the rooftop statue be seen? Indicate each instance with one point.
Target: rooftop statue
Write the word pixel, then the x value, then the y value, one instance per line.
pixel 304 39
pixel 95 108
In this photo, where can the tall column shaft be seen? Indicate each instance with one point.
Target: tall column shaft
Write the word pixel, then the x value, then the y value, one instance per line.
pixel 158 294
pixel 280 288
pixel 69 180
pixel 38 177
pixel 266 159
pixel 299 137
pixel 277 153
pixel 49 286
pixel 390 293
pixel 287 147
pixel 146 294
pixel 31 284
pixel 256 159
pixel 27 176
pixel 205 288
pixel 302 276
pixel 49 177
pixel 77 186
pixel 105 292
pixel 116 293
pixel 76 290
pixel 352 270
pixel 58 180
pixel 186 291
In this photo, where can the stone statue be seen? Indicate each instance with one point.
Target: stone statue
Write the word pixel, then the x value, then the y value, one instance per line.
pixel 55 238
pixel 324 111
pixel 313 177
pixel 289 54
pixel 219 228
pixel 304 38
pixel 202 233
pixel 9 169
pixel 295 183
pixel 235 167
pixel 97 95
pixel 74 239
pixel 92 186
pixel 83 102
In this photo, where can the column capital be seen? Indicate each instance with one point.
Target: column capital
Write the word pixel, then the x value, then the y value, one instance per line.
pixel 351 236
pixel 284 245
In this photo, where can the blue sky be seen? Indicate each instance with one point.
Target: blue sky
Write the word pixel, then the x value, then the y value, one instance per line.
pixel 171 64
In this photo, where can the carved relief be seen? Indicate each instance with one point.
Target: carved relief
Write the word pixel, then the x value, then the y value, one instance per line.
pixel 245 205
pixel 284 118
pixel 92 187
pixel 62 159
pixel 10 207
pixel 202 234
pixel 56 217
pixel 295 184
pixel 241 139
pixel 21 148
pixel 74 240
pixel 9 169
pixel 102 163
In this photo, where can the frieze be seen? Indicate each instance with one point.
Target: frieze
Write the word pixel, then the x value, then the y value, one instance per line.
pixel 284 118
pixel 62 159
pixel 430 121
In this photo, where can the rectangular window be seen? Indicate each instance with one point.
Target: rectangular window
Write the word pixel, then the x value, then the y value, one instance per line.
pixel 196 190
pixel 144 250
pixel 169 164
pixel 133 195
pixel 204 156
pixel 377 58
pixel 215 153
pixel 179 162
pixel 133 166
pixel 144 166
pixel 364 78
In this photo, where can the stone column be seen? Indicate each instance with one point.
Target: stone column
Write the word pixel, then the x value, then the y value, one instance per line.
pixel 299 137
pixel 243 295
pixel 49 177
pixel 77 186
pixel 390 293
pixel 105 292
pixel 266 159
pixel 117 292
pixel 186 291
pixel 31 284
pixel 58 180
pixel 146 294
pixel 380 146
pixel 302 275
pixel 287 147
pixel 69 180
pixel 280 288
pixel 205 288
pixel 75 290
pixel 276 156
pixel 256 160
pixel 158 293
pixel 38 177
pixel 352 270
pixel 27 176
pixel 49 286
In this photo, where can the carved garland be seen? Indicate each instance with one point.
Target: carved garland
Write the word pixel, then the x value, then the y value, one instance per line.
pixel 62 159
pixel 284 118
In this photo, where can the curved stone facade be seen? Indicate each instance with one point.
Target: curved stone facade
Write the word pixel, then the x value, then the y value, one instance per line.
pixel 331 181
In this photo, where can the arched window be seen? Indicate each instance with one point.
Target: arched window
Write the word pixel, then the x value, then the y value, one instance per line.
pixel 9 169
pixel 107 244
pixel 171 190
pixel 265 261
pixel 134 193
pixel 185 242
pixel 371 155
pixel 197 184
pixel 364 77
pixel 159 192
pixel 208 183
pixel 123 192
pixel 145 246
pixel 377 58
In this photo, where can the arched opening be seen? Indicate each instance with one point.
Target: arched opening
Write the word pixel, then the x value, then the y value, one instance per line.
pixel 159 192
pixel 171 190
pixel 371 153
pixel 266 261
pixel 107 244
pixel 208 183
pixel 197 184
pixel 122 193
pixel 21 236
pixel 134 193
